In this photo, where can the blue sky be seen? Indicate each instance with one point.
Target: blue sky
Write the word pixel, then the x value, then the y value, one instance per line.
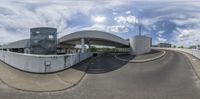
pixel 176 22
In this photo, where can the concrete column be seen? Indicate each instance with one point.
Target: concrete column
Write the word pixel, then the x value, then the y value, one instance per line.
pixel 82 45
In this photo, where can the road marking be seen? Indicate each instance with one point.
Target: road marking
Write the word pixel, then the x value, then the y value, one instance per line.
pixel 194 59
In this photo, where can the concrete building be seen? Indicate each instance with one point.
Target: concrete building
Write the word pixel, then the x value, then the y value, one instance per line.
pixel 91 37
pixel 164 45
pixel 137 44
pixel 49 62
pixel 140 45
pixel 20 46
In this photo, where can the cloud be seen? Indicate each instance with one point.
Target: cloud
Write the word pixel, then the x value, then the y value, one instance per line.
pixel 118 29
pixel 129 19
pixel 100 27
pixel 149 23
pixel 189 21
pixel 128 12
pixel 187 37
pixel 162 40
pixel 17 17
pixel 160 37
pixel 124 24
pixel 179 19
pixel 120 19
pixel 160 33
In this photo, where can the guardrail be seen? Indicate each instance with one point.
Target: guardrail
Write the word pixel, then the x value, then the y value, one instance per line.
pixel 193 52
pixel 42 63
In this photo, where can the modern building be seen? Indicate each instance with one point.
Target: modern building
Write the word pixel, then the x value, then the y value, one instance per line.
pixel 43 41
pixel 164 45
pixel 140 45
pixel 21 46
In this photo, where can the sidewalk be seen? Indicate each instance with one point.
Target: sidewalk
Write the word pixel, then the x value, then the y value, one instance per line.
pixel 42 82
pixel 195 63
pixel 141 58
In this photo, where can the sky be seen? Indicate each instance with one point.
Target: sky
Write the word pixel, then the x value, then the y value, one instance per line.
pixel 175 22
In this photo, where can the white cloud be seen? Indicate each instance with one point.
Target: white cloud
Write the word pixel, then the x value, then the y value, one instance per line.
pixel 120 19
pixel 128 12
pixel 114 13
pixel 123 24
pixel 162 40
pixel 160 33
pixel 118 29
pixel 187 37
pixel 149 23
pixel 186 21
pixel 160 37
pixel 101 27
pixel 99 19
pixel 129 19
pixel 16 18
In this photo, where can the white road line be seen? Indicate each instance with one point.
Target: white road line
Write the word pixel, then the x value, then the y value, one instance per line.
pixel 194 59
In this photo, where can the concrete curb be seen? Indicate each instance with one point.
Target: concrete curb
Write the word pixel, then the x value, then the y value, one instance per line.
pixel 141 61
pixel 69 83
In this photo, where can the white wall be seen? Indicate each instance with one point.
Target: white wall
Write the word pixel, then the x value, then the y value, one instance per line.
pixel 42 63
pixel 140 45
pixel 193 52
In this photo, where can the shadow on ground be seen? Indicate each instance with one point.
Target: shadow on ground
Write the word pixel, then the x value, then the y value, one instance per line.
pixel 101 64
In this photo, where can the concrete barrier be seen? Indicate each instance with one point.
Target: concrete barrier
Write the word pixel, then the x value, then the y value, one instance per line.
pixel 193 52
pixel 42 63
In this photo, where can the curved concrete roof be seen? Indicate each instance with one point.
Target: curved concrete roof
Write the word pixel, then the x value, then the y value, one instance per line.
pixel 18 44
pixel 94 37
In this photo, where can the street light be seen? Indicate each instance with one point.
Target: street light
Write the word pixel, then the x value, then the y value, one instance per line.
pixel 197 47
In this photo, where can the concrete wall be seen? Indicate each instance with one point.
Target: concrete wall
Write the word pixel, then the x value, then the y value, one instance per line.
pixel 42 63
pixel 193 52
pixel 140 45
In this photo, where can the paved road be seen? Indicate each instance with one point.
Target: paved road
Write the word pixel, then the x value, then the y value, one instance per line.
pixel 169 77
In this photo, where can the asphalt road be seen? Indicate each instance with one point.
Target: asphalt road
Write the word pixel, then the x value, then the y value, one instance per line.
pixel 170 77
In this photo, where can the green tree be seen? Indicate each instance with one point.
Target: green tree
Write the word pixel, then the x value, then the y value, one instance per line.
pixel 181 46
pixel 173 46
pixel 93 49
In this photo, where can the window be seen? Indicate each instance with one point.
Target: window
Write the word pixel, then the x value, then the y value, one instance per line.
pixel 51 37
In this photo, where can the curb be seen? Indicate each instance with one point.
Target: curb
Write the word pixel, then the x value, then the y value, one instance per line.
pixel 62 89
pixel 141 61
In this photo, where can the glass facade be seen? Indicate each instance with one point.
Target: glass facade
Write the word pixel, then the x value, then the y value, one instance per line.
pixel 43 41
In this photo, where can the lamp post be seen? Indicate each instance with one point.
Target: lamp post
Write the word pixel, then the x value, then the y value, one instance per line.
pixel 197 44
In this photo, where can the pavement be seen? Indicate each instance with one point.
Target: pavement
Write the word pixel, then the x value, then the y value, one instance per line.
pixel 169 77
pixel 42 82
pixel 153 55
pixel 195 63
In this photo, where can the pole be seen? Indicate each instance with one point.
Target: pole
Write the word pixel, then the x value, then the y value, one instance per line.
pixel 82 45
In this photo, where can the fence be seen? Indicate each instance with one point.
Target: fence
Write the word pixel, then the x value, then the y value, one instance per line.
pixel 42 63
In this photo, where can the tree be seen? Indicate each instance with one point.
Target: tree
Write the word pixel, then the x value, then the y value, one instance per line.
pixel 173 46
pixel 93 49
pixel 181 46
